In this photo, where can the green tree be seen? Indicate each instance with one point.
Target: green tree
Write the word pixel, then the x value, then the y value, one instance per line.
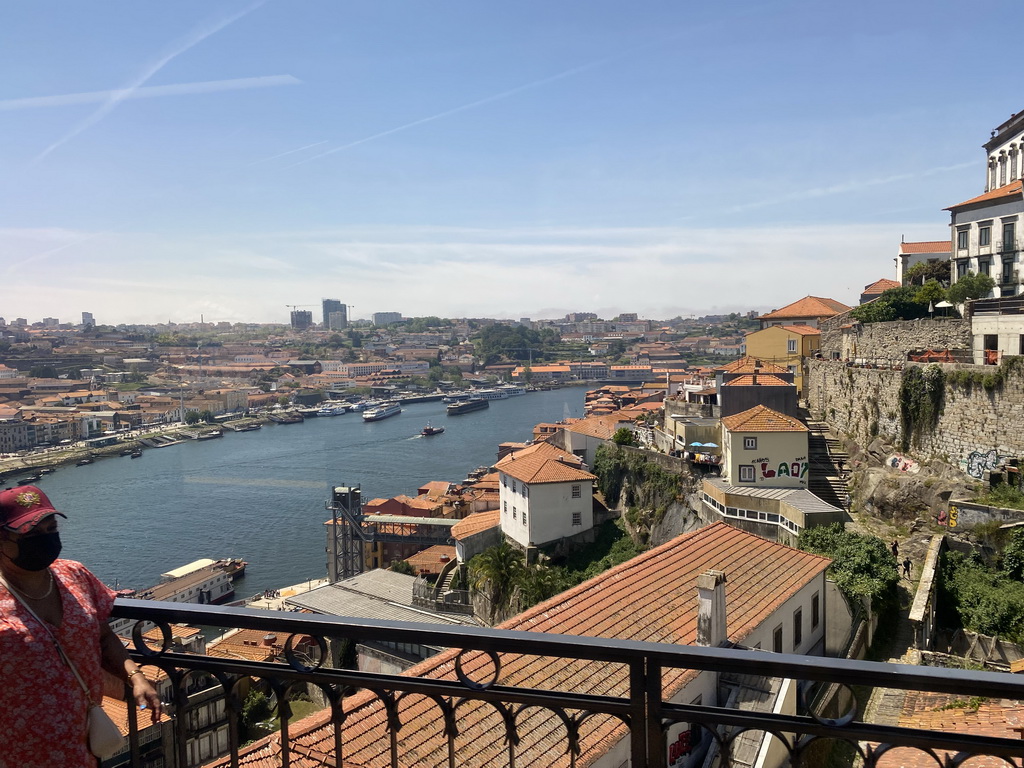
pixel 192 417
pixel 1013 555
pixel 894 304
pixel 930 293
pixel 283 400
pixel 402 566
pixel 255 710
pixel 970 286
pixel 43 372
pixel 496 572
pixel 623 436
pixel 924 271
pixel 862 566
pixel 206 416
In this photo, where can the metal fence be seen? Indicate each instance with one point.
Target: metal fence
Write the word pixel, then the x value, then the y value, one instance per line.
pixel 640 706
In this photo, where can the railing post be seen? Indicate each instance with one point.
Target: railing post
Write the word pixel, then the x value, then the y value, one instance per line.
pixel 638 730
pixel 656 754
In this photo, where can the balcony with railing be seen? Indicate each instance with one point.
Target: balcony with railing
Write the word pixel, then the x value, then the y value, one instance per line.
pixel 608 707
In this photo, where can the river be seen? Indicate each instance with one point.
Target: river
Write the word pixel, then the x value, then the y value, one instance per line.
pixel 261 495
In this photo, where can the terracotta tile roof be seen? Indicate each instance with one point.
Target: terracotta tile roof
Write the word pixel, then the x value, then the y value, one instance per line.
pixel 543 463
pixel 880 286
pixel 804 330
pixel 808 306
pixel 763 380
pixel 749 364
pixel 927 246
pixel 118 712
pixel 1011 189
pixel 600 426
pixel 478 521
pixel 761 418
pixel 432 559
pixel 924 709
pixel 662 608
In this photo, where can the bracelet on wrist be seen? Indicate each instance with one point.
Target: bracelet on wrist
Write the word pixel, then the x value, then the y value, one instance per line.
pixel 137 671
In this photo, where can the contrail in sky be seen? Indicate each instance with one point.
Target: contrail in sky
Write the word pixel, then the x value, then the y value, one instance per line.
pixel 282 154
pixel 148 92
pixel 190 40
pixel 463 108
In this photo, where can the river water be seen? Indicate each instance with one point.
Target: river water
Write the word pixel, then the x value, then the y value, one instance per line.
pixel 261 495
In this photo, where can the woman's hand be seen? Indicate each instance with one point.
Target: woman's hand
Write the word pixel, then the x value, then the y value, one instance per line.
pixel 146 696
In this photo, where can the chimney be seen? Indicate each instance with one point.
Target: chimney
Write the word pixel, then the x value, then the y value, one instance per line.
pixel 711 630
pixel 753 377
pixel 269 640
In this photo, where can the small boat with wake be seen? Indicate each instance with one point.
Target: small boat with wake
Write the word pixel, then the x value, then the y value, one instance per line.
pixel 428 430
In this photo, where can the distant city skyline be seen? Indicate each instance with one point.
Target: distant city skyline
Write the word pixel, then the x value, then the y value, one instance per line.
pixel 166 162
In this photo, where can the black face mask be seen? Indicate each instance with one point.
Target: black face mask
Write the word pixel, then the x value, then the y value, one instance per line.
pixel 35 553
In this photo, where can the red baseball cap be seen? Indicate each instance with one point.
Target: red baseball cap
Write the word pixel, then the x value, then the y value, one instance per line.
pixel 22 508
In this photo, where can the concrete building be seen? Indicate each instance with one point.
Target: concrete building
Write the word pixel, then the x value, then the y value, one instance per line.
pixel 935 251
pixel 381 319
pixel 335 314
pixel 986 230
pixel 301 319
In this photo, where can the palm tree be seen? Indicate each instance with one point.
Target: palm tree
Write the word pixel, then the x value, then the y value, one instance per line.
pixel 496 572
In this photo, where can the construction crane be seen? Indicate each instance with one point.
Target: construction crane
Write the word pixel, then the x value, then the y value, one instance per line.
pixel 296 306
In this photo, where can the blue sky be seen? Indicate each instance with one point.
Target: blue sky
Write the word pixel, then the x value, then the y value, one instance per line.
pixel 163 161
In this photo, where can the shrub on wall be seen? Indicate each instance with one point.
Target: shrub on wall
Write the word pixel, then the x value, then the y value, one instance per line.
pixel 922 394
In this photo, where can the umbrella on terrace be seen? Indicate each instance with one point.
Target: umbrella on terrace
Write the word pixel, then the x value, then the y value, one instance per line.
pixel 710 445
pixel 695 444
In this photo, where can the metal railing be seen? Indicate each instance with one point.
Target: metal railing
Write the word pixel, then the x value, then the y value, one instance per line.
pixel 637 707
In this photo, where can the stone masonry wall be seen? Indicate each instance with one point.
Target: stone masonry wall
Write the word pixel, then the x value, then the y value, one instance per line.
pixel 976 427
pixel 892 341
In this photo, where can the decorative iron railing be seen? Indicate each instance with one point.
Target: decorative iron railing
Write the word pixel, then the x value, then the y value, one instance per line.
pixel 638 707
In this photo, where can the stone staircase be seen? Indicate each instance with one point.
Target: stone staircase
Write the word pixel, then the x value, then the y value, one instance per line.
pixel 828 463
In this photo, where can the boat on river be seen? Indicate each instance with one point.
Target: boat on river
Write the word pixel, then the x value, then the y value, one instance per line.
pixel 467 406
pixel 428 430
pixel 288 417
pixel 382 411
pixel 330 408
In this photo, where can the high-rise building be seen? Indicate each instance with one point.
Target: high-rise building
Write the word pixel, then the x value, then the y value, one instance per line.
pixel 50 322
pixel 335 314
pixel 87 319
pixel 301 319
pixel 386 318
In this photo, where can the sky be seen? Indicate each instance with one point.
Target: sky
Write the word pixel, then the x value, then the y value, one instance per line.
pixel 226 160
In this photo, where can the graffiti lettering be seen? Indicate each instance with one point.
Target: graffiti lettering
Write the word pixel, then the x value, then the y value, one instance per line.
pixel 977 462
pixel 954 513
pixel 903 464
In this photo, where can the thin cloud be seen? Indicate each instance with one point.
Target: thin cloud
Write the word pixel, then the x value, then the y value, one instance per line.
pixel 149 92
pixel 849 186
pixel 463 108
pixel 190 40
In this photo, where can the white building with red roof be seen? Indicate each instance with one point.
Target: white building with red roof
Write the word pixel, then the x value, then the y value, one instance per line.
pixel 936 251
pixel 546 495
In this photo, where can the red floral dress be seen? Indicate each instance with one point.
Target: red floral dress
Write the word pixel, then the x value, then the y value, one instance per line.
pixel 44 707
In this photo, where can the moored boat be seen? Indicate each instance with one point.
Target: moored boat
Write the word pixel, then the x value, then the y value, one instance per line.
pixel 382 411
pixel 473 404
pixel 83 462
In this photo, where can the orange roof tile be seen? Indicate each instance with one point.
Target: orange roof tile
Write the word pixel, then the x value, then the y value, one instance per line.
pixel 750 364
pixel 761 418
pixel 432 559
pixel 804 330
pixel 880 286
pixel 808 306
pixel 661 585
pixel 763 380
pixel 478 521
pixel 1011 189
pixel 927 246
pixel 543 463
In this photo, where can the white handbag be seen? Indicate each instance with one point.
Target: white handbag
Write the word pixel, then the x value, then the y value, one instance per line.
pixel 105 737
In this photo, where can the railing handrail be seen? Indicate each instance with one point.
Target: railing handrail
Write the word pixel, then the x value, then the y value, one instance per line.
pixel 745 661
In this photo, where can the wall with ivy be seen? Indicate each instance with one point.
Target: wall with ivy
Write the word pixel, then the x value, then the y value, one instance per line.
pixel 963 414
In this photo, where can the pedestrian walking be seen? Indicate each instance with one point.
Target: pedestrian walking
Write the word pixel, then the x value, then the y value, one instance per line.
pixel 896 549
pixel 906 567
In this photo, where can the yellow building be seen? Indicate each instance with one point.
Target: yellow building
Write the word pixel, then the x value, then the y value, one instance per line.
pixel 786 346
pixel 764 449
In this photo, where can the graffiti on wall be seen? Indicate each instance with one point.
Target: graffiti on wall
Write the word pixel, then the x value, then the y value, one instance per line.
pixel 796 469
pixel 977 462
pixel 903 464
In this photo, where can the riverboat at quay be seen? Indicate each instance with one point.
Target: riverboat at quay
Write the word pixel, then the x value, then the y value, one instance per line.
pixel 468 406
pixel 382 411
pixel 491 394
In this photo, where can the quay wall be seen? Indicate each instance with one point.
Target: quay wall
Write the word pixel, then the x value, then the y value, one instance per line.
pixel 893 340
pixel 976 427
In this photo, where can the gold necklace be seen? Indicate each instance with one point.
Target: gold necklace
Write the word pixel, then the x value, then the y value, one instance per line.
pixel 45 594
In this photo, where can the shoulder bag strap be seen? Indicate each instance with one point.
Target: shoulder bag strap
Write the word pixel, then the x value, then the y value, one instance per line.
pixel 56 643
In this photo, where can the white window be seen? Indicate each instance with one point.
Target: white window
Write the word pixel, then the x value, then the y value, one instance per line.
pixel 750 443
pixel 984 236
pixel 577 518
pixel 576 492
pixel 746 473
pixel 791 346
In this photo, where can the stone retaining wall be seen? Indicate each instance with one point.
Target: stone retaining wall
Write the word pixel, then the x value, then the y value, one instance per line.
pixel 892 341
pixel 976 428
